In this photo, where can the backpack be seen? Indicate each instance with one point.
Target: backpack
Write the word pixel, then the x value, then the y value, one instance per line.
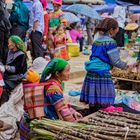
pixel 5 25
pixel 20 14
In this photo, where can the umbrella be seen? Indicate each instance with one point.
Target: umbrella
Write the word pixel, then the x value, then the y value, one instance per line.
pixel 106 15
pixel 134 9
pixel 84 9
pixel 71 18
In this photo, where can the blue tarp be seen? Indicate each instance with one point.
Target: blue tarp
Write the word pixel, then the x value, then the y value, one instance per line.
pixel 134 9
pixel 123 3
pixel 110 1
pixel 104 8
pixel 98 8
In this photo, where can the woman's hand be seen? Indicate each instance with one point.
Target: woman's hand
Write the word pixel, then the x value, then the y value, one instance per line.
pixel 45 38
pixel 77 115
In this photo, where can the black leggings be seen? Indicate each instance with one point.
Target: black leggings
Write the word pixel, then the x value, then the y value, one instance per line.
pixel 96 107
pixel 36 39
pixel 4 97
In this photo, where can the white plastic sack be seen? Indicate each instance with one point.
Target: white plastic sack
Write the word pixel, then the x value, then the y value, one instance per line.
pixel 10 113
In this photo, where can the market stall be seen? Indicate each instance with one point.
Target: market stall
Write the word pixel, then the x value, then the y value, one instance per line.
pixel 98 126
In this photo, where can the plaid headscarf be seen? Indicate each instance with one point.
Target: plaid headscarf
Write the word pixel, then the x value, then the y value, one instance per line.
pixel 57 64
pixel 18 42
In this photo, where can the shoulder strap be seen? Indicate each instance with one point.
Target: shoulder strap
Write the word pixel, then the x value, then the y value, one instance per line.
pixel 53 82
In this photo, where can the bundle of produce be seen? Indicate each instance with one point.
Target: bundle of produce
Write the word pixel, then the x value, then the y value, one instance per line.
pixel 56 130
pixel 125 74
pixel 119 125
pixel 96 129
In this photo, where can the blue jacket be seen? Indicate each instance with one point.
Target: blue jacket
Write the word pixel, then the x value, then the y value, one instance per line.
pixel 104 55
pixel 20 14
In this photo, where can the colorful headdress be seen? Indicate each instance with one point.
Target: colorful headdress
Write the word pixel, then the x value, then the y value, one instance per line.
pixel 18 42
pixel 57 64
pixel 57 2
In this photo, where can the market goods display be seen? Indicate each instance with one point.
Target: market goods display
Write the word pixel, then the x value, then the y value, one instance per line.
pixel 115 126
pixel 125 74
pixel 46 129
pixel 99 126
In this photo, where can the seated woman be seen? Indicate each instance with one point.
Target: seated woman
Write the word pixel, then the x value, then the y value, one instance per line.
pixel 57 108
pixel 15 66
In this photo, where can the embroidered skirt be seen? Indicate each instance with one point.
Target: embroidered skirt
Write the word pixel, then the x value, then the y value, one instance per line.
pixel 24 129
pixel 98 90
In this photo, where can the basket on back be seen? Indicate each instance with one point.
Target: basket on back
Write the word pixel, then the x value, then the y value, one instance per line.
pixel 34 99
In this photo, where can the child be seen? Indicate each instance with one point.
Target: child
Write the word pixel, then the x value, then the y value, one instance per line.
pixel 74 32
pixel 60 41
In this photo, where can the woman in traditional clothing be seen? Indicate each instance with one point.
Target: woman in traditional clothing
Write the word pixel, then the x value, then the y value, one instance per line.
pixel 15 67
pixel 56 17
pixel 58 69
pixel 98 88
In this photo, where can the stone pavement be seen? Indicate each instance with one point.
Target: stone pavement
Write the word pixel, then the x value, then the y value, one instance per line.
pixel 76 79
pixel 77 70
pixel 77 66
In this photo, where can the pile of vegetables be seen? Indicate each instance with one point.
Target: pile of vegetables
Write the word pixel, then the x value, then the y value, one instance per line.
pixel 125 74
pixel 102 126
pixel 116 125
pixel 46 129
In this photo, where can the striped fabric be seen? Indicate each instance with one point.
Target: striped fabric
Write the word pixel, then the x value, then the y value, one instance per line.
pixel 59 109
pixel 34 100
pixel 115 58
pixel 24 129
pixel 98 90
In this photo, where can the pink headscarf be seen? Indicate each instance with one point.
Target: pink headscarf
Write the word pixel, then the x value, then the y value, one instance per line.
pixel 57 2
pixel 44 3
